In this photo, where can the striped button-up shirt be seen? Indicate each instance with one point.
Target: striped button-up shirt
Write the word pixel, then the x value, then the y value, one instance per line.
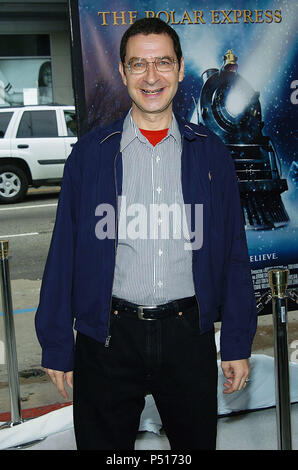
pixel 152 265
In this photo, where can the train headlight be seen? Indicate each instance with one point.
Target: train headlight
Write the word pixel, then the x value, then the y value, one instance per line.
pixel 237 101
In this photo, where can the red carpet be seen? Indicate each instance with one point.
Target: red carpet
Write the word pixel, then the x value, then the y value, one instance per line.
pixel 34 412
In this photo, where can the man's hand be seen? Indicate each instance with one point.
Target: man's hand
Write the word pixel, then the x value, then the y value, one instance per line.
pixel 236 373
pixel 58 377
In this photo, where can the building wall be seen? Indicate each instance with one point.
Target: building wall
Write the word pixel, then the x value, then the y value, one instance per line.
pixel 61 66
pixel 43 17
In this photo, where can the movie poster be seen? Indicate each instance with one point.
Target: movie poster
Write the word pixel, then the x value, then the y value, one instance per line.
pixel 241 81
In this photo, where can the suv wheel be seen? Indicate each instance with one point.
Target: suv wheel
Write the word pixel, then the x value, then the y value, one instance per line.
pixel 13 184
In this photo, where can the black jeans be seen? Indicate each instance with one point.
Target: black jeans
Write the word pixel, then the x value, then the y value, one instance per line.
pixel 167 358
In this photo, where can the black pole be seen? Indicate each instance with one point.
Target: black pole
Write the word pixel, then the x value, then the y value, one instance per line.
pixel 77 68
pixel 278 280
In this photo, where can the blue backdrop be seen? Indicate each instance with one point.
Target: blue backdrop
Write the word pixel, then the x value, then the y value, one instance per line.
pixel 262 34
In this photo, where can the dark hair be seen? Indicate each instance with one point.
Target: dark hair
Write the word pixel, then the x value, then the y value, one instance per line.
pixel 150 26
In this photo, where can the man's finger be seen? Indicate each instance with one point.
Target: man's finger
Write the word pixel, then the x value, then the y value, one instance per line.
pixel 51 374
pixel 60 385
pixel 235 383
pixel 57 377
pixel 243 382
pixel 239 382
pixel 69 379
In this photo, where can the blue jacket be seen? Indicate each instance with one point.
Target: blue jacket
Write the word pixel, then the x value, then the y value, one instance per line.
pixel 77 283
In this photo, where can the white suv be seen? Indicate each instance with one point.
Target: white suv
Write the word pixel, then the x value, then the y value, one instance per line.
pixel 35 142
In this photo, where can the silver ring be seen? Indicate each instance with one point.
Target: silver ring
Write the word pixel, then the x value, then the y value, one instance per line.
pixel 246 380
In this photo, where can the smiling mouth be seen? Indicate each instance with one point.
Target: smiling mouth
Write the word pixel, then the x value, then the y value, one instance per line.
pixel 151 92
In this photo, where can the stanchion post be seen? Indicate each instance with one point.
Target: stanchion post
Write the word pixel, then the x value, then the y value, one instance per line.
pixel 10 341
pixel 278 280
pixel 10 347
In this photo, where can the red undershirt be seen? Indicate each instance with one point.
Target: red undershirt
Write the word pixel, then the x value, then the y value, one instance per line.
pixel 154 136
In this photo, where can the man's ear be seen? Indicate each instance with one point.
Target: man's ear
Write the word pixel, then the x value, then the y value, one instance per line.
pixel 181 70
pixel 122 73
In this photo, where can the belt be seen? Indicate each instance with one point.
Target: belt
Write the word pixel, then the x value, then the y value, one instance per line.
pixel 153 312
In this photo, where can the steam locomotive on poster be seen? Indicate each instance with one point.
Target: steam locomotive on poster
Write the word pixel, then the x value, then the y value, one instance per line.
pixel 230 107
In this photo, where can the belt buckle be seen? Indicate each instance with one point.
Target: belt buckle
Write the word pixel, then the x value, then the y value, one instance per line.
pixel 141 312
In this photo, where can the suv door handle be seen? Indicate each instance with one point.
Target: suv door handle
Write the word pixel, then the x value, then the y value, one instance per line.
pixel 23 146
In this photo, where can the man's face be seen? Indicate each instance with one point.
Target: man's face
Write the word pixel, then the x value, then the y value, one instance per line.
pixel 151 91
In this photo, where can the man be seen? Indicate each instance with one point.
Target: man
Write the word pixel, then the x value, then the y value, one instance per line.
pixel 144 305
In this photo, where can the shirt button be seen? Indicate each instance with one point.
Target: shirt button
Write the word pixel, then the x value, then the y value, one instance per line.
pixel 160 284
pixel 159 252
pixel 157 158
pixel 159 189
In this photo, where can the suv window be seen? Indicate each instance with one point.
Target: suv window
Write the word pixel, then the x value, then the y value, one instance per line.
pixel 4 121
pixel 71 123
pixel 38 124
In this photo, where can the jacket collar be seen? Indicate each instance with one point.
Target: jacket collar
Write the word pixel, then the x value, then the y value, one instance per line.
pixel 186 129
pixel 113 129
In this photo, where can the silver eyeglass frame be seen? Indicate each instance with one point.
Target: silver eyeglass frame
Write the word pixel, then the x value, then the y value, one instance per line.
pixel 128 66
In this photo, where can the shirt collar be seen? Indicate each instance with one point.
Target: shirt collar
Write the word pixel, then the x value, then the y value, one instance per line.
pixel 131 132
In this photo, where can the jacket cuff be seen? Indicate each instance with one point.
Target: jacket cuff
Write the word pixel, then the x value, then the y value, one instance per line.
pixel 58 360
pixel 233 349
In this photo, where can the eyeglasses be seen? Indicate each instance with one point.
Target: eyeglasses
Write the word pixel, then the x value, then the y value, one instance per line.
pixel 140 65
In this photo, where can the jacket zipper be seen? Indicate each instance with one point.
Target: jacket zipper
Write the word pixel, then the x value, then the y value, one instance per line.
pixel 108 338
pixel 197 300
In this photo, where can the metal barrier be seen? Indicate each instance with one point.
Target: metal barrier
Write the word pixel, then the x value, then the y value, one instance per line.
pixel 10 341
pixel 10 346
pixel 278 280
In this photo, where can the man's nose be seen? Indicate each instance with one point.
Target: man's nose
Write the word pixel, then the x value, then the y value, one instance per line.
pixel 151 75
